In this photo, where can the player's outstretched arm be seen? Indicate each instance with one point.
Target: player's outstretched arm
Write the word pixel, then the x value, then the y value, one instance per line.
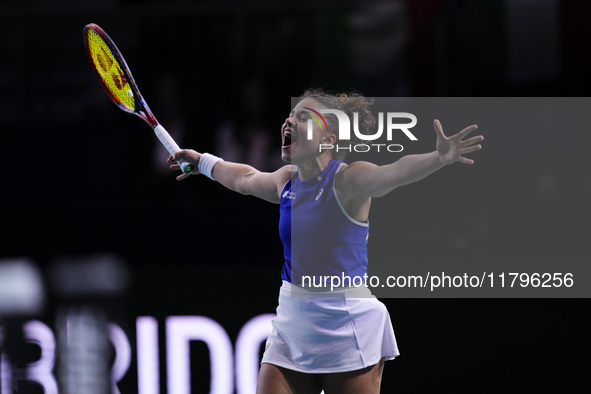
pixel 237 177
pixel 375 181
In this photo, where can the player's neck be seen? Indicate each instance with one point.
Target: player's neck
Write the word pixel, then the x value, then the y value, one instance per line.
pixel 312 168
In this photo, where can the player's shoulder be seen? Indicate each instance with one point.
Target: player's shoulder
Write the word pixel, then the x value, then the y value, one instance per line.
pixel 284 174
pixel 285 171
pixel 355 168
pixel 350 176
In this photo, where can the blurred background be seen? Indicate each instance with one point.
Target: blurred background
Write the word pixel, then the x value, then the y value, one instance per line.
pixel 87 194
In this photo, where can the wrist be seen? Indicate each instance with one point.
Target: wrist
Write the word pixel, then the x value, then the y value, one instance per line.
pixel 440 159
pixel 206 163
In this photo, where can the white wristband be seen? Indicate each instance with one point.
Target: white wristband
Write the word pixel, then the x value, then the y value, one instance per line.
pixel 206 163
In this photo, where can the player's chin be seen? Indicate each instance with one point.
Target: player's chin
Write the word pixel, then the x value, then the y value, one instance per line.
pixel 286 154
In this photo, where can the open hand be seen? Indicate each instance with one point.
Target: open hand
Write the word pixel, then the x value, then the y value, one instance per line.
pixel 452 148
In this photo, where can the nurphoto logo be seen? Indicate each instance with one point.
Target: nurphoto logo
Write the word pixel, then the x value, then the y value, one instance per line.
pixel 344 132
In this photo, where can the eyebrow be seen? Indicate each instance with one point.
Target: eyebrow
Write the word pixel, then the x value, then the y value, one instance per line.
pixel 292 112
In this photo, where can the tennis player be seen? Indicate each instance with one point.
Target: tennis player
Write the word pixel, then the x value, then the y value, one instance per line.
pixel 338 343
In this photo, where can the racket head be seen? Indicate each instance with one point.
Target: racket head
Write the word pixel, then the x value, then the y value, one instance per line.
pixel 113 73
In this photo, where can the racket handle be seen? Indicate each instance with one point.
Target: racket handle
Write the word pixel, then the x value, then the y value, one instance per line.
pixel 172 147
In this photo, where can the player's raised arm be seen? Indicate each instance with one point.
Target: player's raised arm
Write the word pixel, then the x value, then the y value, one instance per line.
pixel 237 177
pixel 375 181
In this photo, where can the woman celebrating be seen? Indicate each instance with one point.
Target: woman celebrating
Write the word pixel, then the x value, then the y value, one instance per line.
pixel 336 342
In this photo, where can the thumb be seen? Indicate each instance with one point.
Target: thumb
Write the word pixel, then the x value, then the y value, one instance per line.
pixel 438 129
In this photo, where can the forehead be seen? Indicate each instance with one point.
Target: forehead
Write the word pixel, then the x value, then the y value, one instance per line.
pixel 307 102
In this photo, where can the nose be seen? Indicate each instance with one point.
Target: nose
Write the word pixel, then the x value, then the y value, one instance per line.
pixel 288 122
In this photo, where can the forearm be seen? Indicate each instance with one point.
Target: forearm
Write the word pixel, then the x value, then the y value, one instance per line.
pixel 233 175
pixel 413 168
pixel 247 180
pixel 240 178
pixel 408 169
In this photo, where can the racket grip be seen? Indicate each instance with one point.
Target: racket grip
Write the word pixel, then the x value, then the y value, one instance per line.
pixel 172 147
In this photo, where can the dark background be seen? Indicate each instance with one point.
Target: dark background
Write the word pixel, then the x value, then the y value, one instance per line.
pixel 79 176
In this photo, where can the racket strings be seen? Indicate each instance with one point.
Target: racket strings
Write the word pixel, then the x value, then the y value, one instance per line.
pixel 110 71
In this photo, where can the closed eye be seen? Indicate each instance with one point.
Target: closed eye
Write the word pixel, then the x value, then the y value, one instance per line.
pixel 303 116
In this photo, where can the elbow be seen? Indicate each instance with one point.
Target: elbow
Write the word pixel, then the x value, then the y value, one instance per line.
pixel 243 184
pixel 240 187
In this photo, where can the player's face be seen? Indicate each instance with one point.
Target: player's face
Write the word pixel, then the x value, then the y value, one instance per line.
pixel 296 147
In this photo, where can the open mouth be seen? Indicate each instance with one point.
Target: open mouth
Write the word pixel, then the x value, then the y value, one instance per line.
pixel 289 137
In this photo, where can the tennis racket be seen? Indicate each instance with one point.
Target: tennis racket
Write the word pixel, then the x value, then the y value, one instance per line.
pixel 112 71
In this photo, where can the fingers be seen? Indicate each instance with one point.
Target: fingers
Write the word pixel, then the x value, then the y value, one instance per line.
pixel 187 154
pixel 176 167
pixel 182 176
pixel 463 160
pixel 460 135
pixel 472 140
pixel 174 158
pixel 469 149
pixel 465 132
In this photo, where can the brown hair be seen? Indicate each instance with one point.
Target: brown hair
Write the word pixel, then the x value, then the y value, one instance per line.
pixel 348 103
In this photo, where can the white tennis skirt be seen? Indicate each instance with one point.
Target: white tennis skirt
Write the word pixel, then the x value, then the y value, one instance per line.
pixel 328 335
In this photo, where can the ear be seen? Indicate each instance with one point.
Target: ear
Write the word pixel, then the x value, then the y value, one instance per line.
pixel 328 139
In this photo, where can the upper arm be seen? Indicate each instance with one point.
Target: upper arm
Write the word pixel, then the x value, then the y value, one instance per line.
pixel 362 178
pixel 267 185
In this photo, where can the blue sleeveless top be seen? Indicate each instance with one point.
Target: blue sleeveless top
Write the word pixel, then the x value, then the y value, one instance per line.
pixel 319 237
